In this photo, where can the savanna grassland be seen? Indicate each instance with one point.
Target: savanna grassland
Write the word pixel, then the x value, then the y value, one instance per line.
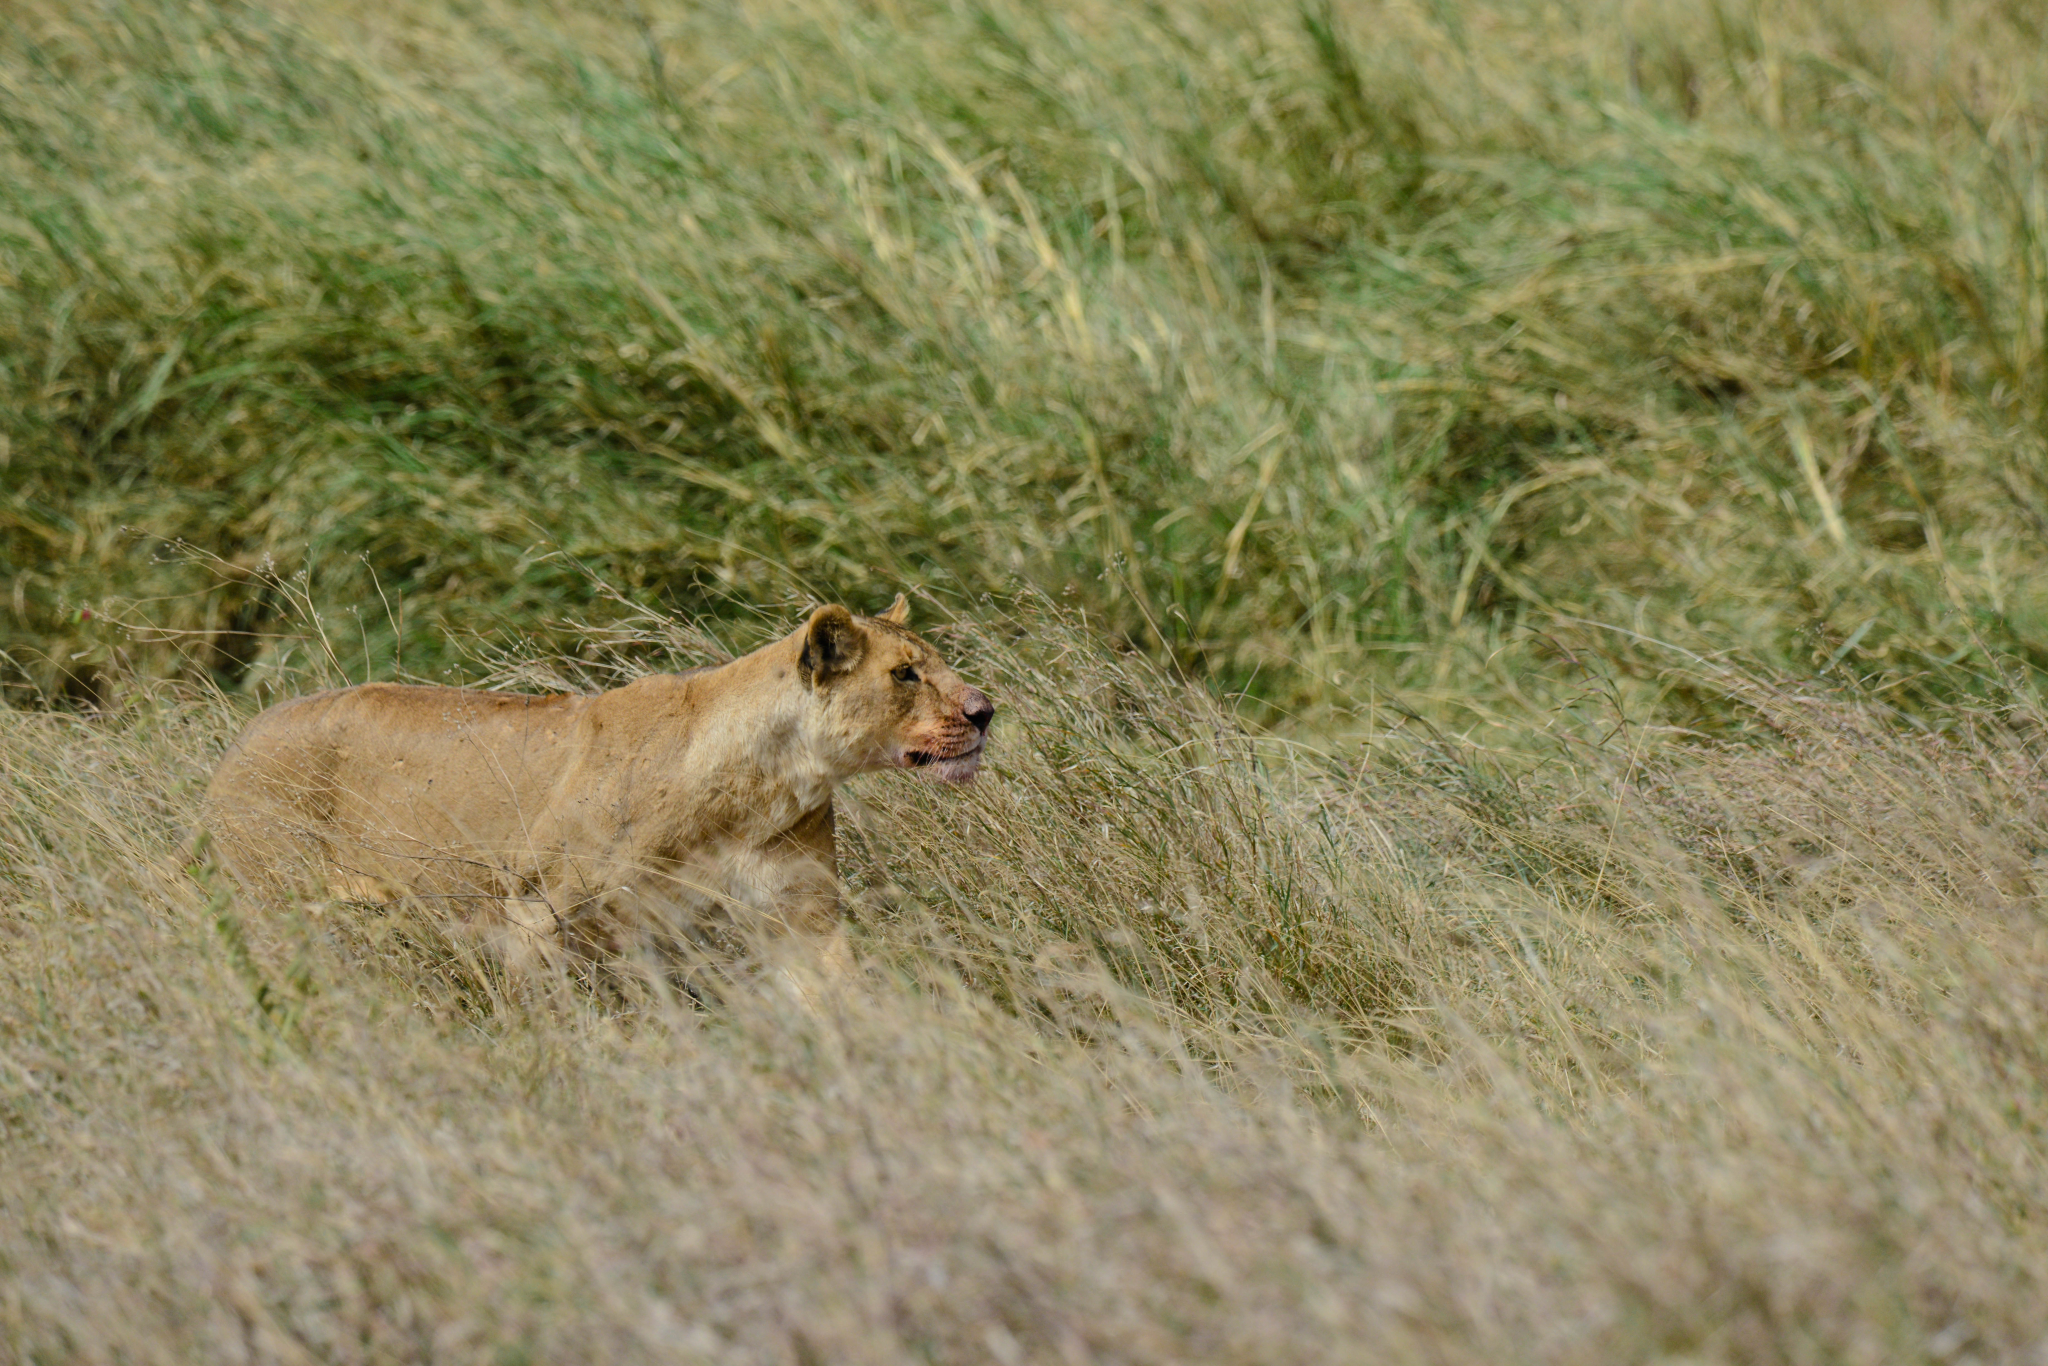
pixel 1507 538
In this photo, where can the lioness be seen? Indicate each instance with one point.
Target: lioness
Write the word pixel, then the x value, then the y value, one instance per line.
pixel 679 809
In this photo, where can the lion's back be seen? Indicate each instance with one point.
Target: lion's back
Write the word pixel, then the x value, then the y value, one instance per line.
pixel 395 772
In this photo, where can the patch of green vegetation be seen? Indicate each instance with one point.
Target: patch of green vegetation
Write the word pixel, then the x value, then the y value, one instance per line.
pixel 1326 351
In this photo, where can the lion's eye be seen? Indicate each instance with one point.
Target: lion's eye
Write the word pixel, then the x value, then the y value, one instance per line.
pixel 905 673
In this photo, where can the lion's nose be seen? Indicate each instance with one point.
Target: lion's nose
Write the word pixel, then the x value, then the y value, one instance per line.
pixel 978 708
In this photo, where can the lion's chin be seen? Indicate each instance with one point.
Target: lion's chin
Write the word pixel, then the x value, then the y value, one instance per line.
pixel 957 768
pixel 961 770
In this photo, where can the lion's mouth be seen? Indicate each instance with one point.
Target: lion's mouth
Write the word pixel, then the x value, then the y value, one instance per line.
pixel 950 768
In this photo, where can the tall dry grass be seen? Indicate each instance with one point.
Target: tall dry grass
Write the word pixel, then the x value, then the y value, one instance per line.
pixel 1174 1044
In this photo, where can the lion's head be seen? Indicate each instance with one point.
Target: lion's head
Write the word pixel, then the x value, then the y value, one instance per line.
pixel 886 699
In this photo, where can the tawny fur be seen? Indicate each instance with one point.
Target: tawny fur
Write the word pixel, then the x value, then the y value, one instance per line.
pixel 679 809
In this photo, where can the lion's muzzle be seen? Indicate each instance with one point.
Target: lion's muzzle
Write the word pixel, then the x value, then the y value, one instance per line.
pixel 956 756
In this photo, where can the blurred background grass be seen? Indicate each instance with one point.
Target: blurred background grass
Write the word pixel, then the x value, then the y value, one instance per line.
pixel 1323 349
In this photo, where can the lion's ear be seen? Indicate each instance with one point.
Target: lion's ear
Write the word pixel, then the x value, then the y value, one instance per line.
pixel 833 644
pixel 898 613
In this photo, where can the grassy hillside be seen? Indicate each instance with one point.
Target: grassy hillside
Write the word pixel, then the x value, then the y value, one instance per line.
pixel 1173 1047
pixel 1507 539
pixel 1313 346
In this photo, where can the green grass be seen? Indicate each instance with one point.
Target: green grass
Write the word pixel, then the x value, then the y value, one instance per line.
pixel 1506 539
pixel 1335 350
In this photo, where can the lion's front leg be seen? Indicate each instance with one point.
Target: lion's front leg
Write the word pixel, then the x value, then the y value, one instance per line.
pixel 775 904
pixel 813 958
pixel 526 934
